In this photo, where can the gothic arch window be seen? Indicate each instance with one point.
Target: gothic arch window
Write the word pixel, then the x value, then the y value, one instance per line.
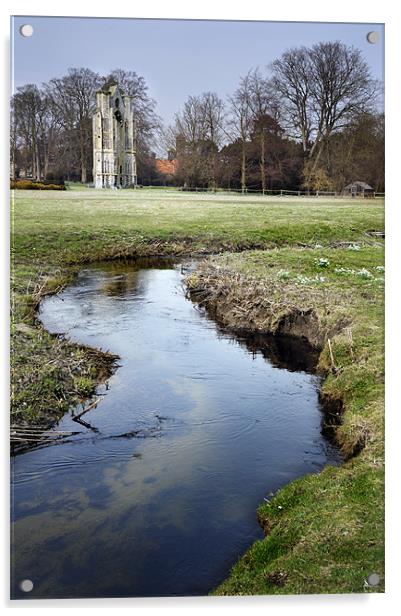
pixel 127 145
pixel 117 111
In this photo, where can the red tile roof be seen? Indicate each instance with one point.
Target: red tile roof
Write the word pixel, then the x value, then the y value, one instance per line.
pixel 167 167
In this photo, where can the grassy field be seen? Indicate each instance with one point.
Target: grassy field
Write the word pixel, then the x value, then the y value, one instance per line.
pixel 279 257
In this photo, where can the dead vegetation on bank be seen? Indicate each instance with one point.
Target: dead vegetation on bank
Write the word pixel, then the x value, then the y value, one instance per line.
pixel 323 315
pixel 259 305
pixel 50 375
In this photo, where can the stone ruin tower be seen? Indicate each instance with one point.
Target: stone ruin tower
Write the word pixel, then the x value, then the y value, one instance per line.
pixel 114 149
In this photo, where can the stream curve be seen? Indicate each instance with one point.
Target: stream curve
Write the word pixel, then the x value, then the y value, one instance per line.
pixel 156 492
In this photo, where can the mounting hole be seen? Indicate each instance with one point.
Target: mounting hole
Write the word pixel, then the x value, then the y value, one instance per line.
pixel 26 30
pixel 373 37
pixel 26 585
pixel 373 579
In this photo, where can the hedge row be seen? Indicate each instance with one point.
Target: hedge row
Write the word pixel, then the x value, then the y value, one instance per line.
pixel 30 185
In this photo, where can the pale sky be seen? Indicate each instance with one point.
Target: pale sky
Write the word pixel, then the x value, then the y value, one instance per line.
pixel 176 57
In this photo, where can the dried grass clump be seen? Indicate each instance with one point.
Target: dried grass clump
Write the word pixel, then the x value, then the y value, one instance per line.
pixel 243 302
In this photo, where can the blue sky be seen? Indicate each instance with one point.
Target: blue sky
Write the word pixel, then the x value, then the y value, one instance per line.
pixel 177 58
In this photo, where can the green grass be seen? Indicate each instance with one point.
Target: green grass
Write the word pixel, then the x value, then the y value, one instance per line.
pixel 325 531
pixel 78 225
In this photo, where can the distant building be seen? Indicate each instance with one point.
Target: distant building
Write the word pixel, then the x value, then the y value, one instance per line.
pixel 114 152
pixel 359 189
pixel 167 167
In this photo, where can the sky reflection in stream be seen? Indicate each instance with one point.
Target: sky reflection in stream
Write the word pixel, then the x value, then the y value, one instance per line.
pixel 158 494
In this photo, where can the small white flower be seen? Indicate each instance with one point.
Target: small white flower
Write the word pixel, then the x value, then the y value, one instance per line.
pixel 283 274
pixel 322 262
pixel 344 270
pixel 379 268
pixel 364 273
pixel 303 279
pixel 354 247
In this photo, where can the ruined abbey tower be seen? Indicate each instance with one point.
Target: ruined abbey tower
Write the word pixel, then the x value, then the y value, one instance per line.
pixel 114 155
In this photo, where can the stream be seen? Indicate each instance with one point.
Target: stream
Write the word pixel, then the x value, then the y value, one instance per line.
pixel 156 493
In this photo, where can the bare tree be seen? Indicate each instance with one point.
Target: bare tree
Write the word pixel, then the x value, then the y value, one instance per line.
pixel 148 124
pixel 49 133
pixel 292 82
pixel 29 109
pixel 341 88
pixel 263 104
pixel 357 152
pixel 322 89
pixel 190 121
pixel 240 122
pixel 189 132
pixel 168 138
pixel 212 111
pixel 73 99
pixel 14 150
pixel 199 128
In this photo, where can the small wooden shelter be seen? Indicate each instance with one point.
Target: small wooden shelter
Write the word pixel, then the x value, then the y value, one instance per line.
pixel 359 189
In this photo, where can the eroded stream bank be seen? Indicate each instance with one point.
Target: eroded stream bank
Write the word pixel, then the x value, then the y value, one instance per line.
pixel 156 494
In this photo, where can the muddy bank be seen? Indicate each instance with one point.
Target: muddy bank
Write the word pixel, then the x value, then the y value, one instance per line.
pixel 54 375
pixel 243 306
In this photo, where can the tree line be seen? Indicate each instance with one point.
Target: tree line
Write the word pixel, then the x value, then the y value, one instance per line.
pixel 51 125
pixel 309 121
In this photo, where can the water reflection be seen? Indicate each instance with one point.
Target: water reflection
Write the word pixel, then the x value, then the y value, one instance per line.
pixel 196 427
